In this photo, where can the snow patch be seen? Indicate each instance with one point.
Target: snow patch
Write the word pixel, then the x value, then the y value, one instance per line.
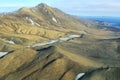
pixel 45 43
pixel 53 41
pixel 64 39
pixel 32 22
pixel 54 19
pixel 2 54
pixel 69 37
pixel 37 24
pixel 56 40
pixel 74 36
pixel 10 42
pixel 79 76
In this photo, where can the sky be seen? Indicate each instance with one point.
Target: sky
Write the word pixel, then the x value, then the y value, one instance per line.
pixel 74 7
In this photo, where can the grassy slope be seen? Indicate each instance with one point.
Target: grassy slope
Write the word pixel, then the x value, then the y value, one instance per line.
pixel 56 63
pixel 112 73
pixel 49 64
pixel 62 62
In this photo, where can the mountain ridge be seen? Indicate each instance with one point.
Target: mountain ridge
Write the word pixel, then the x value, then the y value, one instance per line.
pixel 49 44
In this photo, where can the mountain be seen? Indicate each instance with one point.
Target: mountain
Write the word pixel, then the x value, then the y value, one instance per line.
pixel 99 24
pixel 44 43
pixel 114 21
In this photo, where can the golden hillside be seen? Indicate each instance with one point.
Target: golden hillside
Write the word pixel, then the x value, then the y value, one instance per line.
pixel 59 54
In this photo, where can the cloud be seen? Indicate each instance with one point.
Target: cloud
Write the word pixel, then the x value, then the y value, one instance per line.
pixel 22 3
pixel 89 7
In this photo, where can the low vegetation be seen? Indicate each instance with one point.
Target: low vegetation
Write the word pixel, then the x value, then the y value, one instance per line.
pixel 96 48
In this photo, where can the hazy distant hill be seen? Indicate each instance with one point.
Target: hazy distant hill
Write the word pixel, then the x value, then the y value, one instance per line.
pixel 108 23
pixel 114 21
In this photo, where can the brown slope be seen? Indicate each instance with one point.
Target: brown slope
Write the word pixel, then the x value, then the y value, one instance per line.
pixel 12 26
pixel 60 62
pixel 42 19
pixel 109 73
pixel 53 18
pixel 46 15
pixel 50 63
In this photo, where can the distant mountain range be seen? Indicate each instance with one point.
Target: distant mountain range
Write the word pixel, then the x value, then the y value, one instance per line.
pixel 114 21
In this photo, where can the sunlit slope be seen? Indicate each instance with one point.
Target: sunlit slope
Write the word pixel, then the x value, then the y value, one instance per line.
pixel 42 62
pixel 63 60
pixel 60 61
pixel 42 22
pixel 51 63
pixel 14 27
